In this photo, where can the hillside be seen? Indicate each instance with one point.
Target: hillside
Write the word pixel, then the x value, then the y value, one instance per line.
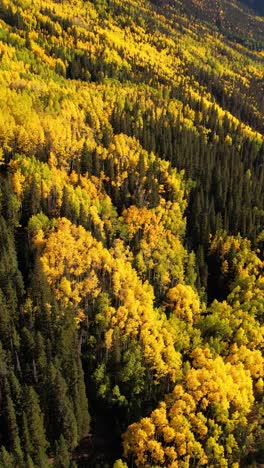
pixel 256 5
pixel 236 20
pixel 131 233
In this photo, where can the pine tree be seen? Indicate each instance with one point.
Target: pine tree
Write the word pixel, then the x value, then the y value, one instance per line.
pixel 86 160
pixel 13 432
pixel 27 444
pixel 6 459
pixel 36 430
pixel 62 418
pixel 80 403
pixel 62 457
pixel 29 463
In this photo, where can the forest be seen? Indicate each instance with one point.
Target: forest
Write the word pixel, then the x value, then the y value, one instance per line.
pixel 131 233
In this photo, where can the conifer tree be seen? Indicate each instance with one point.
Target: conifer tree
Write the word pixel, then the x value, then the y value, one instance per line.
pixel 62 458
pixel 6 459
pixel 36 430
pixel 13 432
pixel 86 160
pixel 62 418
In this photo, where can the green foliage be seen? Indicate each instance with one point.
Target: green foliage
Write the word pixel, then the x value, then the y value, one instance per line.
pixel 131 192
pixel 62 458
pixel 35 424
pixel 6 459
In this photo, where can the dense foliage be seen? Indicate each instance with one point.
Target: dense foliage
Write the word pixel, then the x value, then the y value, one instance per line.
pixel 131 233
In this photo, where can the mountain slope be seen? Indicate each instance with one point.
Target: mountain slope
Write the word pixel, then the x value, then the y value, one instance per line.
pixel 131 229
pixel 257 5
pixel 230 17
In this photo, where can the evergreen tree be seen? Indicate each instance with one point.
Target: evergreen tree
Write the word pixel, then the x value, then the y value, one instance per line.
pixel 13 432
pixel 86 160
pixel 62 458
pixel 6 459
pixel 36 430
pixel 62 419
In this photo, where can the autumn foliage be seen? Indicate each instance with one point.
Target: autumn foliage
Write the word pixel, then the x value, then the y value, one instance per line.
pixel 131 233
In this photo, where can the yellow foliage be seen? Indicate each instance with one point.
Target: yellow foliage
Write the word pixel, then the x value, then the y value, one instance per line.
pixel 77 267
pixel 184 303
pixel 182 429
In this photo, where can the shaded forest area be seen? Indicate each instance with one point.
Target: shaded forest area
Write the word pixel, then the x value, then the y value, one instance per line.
pixel 131 234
